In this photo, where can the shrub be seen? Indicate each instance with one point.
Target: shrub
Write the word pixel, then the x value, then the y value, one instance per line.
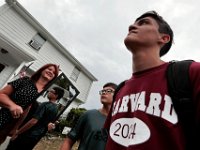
pixel 71 119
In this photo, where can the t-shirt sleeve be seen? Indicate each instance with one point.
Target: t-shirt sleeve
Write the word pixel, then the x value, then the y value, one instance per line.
pixel 40 111
pixel 77 130
pixel 16 83
pixel 51 112
pixel 46 113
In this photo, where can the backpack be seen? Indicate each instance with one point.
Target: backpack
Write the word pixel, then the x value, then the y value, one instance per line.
pixel 180 91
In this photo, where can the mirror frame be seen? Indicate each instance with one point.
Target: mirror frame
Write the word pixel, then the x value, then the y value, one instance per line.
pixel 71 98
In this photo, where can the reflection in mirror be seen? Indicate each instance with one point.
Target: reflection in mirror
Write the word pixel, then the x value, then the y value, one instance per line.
pixel 70 93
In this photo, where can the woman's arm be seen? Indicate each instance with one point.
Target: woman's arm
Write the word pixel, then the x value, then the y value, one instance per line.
pixel 25 127
pixel 19 122
pixel 6 102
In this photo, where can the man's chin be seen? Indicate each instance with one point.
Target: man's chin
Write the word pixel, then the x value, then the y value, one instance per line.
pixel 128 42
pixel 105 103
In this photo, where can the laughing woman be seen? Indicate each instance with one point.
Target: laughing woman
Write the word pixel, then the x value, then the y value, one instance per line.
pixel 19 94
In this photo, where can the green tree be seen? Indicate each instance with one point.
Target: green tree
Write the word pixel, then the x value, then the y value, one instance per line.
pixel 72 118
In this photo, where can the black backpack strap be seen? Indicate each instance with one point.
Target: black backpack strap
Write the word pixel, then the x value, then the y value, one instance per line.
pixel 179 84
pixel 181 93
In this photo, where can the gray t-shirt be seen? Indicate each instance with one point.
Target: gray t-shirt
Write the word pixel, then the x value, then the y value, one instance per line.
pixel 89 130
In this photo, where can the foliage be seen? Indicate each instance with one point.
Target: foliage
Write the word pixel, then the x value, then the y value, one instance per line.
pixel 74 115
pixel 71 119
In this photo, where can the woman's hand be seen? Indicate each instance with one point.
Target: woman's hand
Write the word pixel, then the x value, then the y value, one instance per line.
pixel 16 110
pixel 14 136
pixel 12 132
pixel 51 126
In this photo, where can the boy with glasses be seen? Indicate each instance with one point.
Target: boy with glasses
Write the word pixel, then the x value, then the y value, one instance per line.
pixel 143 116
pixel 88 128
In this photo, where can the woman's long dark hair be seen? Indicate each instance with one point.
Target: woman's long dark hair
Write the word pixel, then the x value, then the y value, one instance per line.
pixel 38 73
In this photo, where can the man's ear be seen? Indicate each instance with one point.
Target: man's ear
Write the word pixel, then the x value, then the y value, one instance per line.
pixel 165 38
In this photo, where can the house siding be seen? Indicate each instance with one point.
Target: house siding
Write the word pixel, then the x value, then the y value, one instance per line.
pixel 5 74
pixel 47 55
pixel 84 86
pixel 19 31
pixel 16 29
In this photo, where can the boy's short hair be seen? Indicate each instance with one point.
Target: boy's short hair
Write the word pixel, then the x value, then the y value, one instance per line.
pixel 110 84
pixel 163 28
pixel 59 92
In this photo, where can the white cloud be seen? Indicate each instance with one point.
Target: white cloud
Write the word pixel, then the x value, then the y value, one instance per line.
pixel 98 27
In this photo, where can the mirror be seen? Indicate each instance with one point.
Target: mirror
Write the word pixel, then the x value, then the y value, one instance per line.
pixel 70 93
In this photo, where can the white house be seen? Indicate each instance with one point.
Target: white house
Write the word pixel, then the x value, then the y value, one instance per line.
pixel 24 40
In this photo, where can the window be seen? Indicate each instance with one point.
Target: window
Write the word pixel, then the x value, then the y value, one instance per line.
pixel 1 67
pixel 75 74
pixel 37 41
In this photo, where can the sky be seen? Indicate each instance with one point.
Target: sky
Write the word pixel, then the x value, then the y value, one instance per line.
pixel 93 31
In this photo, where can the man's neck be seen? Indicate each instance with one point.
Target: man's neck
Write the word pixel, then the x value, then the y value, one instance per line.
pixel 105 110
pixel 145 60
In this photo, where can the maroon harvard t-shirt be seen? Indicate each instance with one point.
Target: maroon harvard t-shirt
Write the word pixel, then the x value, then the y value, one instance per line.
pixel 143 116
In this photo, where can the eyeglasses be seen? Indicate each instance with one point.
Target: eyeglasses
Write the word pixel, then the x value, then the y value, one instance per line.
pixel 107 91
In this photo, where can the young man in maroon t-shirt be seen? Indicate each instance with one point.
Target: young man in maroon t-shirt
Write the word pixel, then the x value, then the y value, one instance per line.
pixel 143 116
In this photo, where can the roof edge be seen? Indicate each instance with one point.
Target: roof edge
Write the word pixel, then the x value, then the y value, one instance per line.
pixel 25 14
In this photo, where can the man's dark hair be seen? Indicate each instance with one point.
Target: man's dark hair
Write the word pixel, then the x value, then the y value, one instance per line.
pixel 163 28
pixel 59 92
pixel 110 84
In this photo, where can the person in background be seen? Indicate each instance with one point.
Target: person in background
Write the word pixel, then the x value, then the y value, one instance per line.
pixel 19 94
pixel 31 132
pixel 88 129
pixel 143 115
